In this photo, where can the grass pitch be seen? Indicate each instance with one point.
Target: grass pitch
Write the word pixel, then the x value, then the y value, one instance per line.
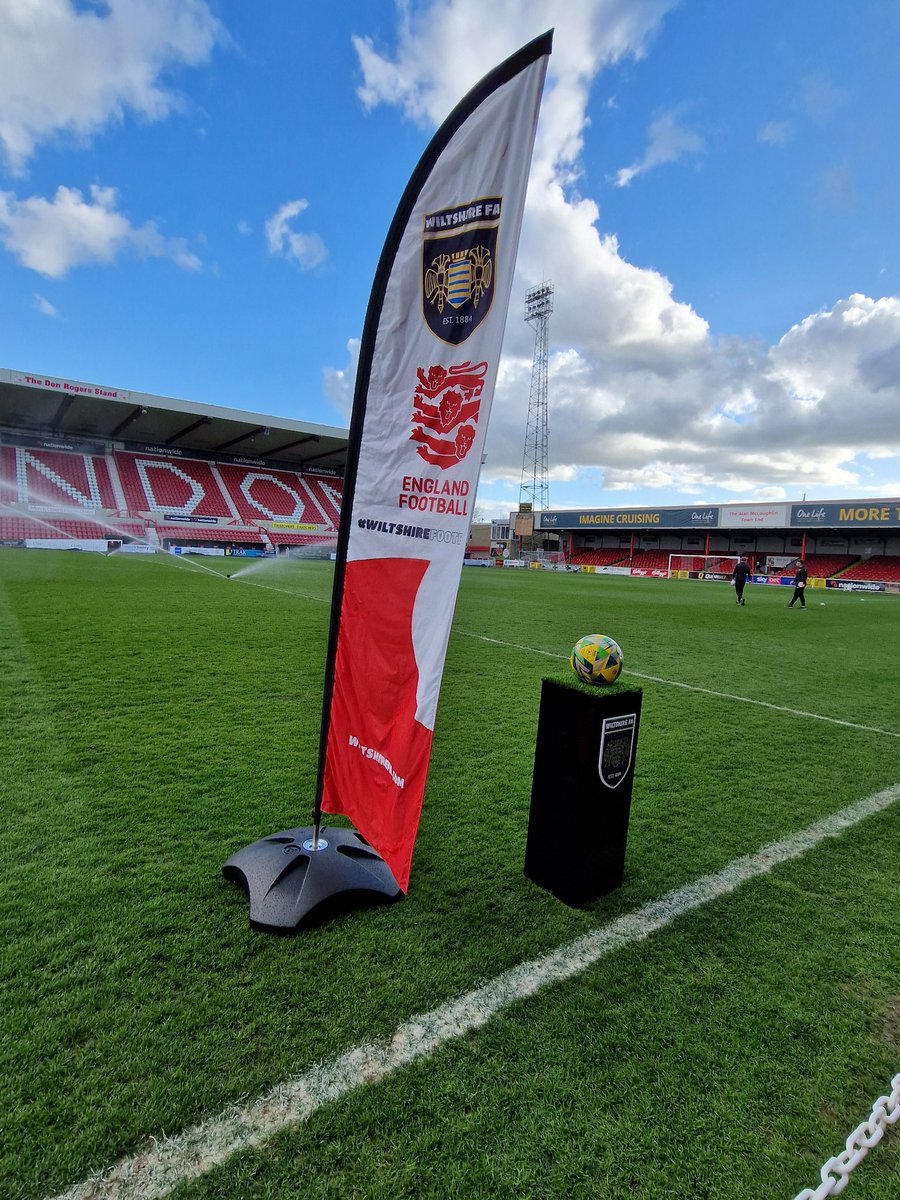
pixel 156 717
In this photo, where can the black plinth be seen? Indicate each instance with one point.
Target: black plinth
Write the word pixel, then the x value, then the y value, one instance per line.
pixel 581 790
pixel 293 880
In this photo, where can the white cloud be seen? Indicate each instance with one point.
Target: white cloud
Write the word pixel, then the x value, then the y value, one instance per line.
pixel 641 396
pixel 812 410
pixel 43 305
pixel 306 249
pixel 69 68
pixel 837 189
pixel 340 383
pixel 437 59
pixel 775 133
pixel 54 236
pixel 668 140
pixel 769 493
pixel 496 510
pixel 820 98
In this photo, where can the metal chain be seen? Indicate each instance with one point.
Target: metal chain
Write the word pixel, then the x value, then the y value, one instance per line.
pixel 836 1172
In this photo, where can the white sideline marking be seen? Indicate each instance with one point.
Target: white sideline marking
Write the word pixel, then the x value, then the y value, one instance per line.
pixel 794 712
pixel 690 687
pixel 268 587
pixel 164 1165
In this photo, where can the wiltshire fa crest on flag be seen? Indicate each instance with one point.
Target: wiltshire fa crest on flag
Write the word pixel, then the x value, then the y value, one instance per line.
pixel 458 254
pixel 428 364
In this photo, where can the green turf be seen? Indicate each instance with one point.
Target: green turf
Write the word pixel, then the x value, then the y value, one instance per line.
pixel 156 717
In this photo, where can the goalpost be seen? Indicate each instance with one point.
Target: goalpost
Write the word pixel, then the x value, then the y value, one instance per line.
pixel 702 566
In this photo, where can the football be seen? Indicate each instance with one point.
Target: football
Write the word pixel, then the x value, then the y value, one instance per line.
pixel 596 659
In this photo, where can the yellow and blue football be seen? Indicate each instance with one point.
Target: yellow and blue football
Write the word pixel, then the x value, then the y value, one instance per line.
pixel 596 659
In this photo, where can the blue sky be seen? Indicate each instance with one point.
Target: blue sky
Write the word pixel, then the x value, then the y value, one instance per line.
pixel 194 196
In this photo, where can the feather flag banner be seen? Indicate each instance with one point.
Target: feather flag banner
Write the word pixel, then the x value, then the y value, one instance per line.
pixel 427 369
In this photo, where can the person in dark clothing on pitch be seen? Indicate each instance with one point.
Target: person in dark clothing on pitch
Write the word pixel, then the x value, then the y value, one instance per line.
pixel 799 585
pixel 739 577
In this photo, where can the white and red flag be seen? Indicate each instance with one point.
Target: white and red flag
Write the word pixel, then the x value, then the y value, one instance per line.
pixel 425 381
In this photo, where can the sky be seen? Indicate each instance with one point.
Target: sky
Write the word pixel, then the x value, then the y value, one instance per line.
pixel 194 195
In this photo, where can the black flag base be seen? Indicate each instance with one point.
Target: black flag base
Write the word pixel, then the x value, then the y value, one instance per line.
pixel 296 878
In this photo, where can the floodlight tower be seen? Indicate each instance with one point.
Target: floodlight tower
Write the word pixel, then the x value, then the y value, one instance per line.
pixel 535 486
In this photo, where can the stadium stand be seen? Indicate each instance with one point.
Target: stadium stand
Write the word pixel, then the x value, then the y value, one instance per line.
pixel 8 493
pixel 650 560
pixel 881 569
pixel 327 493
pixel 184 474
pixel 823 566
pixel 599 558
pixel 211 533
pixel 160 485
pixel 130 529
pixel 287 537
pixel 49 494
pixel 271 495
pixel 52 479
pixel 20 528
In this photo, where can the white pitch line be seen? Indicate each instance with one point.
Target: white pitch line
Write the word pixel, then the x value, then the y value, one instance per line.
pixel 794 712
pixel 268 587
pixel 690 687
pixel 164 1165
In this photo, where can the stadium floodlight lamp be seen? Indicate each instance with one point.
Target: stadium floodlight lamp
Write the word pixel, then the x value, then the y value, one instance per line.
pixel 539 301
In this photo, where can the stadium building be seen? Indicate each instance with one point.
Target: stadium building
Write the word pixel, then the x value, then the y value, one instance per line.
pixel 849 544
pixel 99 468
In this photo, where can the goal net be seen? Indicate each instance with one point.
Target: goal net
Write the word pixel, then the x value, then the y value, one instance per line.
pixel 702 566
